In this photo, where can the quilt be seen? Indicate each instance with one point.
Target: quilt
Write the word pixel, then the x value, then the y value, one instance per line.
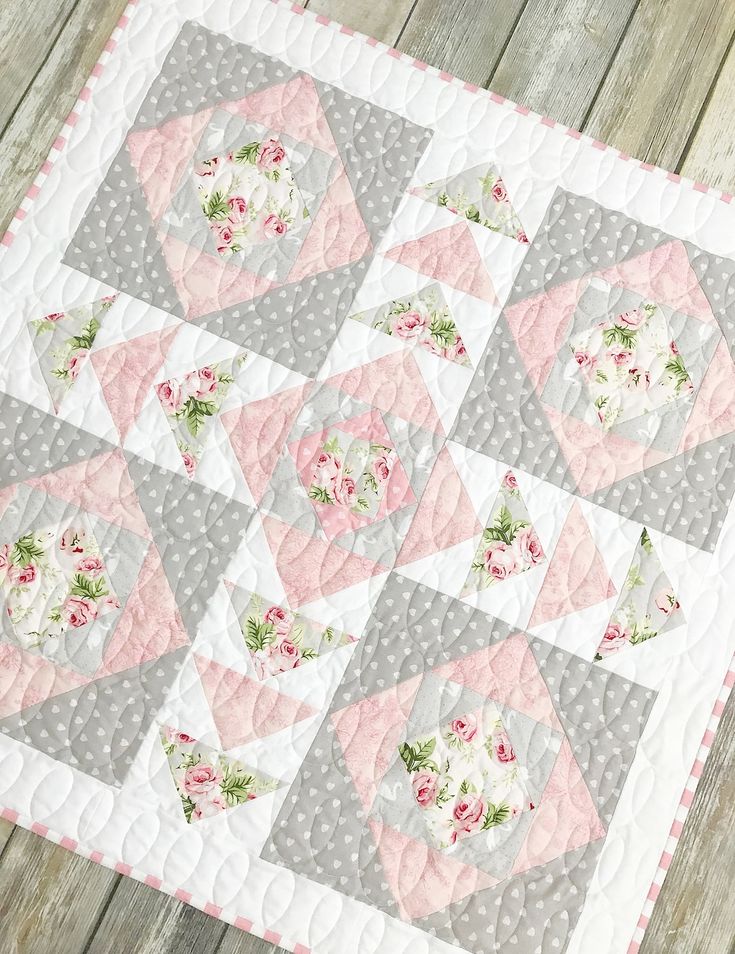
pixel 368 452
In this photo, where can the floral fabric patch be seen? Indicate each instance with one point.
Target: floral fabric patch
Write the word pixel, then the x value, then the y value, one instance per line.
pixel 278 639
pixel 423 320
pixel 631 365
pixel 647 605
pixel 465 777
pixel 509 544
pixel 207 781
pixel 54 579
pixel 249 196
pixel 479 195
pixel 351 473
pixel 191 402
pixel 63 340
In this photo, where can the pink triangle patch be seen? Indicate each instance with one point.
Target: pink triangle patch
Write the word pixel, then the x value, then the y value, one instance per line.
pixel 127 371
pixel 565 819
pixel 310 568
pixel 369 732
pixel 258 432
pixel 449 255
pixel 392 384
pixel 422 879
pixel 506 672
pixel 244 709
pixel 445 515
pixel 27 679
pixel 577 576
pixel 713 414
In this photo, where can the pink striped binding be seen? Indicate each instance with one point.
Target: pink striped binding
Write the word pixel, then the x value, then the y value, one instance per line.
pixel 203 904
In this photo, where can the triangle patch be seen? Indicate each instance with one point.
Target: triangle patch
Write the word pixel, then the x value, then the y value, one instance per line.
pixel 478 195
pixel 449 255
pixel 647 605
pixel 509 544
pixel 209 782
pixel 577 576
pixel 245 709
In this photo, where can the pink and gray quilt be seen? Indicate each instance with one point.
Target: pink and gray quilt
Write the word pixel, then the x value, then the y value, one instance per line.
pixel 366 470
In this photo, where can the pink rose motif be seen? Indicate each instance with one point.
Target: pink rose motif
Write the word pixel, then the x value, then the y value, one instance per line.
pixel 467 813
pixel 225 236
pixel 620 356
pixel 22 575
pixel 207 381
pixel 72 539
pixel 510 482
pixel 206 168
pixel 110 601
pixel 500 561
pixel 632 319
pixel 585 360
pixel 326 469
pixel 424 786
pixel 270 155
pixel 522 237
pixel 281 619
pixel 500 193
pixel 75 362
pixel 79 610
pixel 528 546
pixel 91 566
pixel 238 208
pixel 616 636
pixel 666 601
pixel 455 352
pixel 347 491
pixel 674 347
pixel 638 379
pixel 200 780
pixel 178 738
pixel 502 748
pixel 209 806
pixel 285 655
pixel 273 226
pixel 409 324
pixel 170 395
pixel 4 557
pixel 55 316
pixel 465 727
pixel 190 462
pixel 382 467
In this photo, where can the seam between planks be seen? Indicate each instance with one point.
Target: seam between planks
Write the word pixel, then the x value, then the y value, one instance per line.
pixel 506 44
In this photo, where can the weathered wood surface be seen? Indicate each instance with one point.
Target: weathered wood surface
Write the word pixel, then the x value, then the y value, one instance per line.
pixel 655 78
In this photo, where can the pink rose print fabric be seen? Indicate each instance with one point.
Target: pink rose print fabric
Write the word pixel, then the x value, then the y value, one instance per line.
pixel 465 777
pixel 509 544
pixel 479 195
pixel 207 781
pixel 422 320
pixel 351 473
pixel 191 402
pixel 249 196
pixel 54 579
pixel 63 341
pixel 647 605
pixel 631 365
pixel 279 640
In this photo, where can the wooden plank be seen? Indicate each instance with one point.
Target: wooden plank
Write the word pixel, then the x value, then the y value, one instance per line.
pixel 710 154
pixel 141 920
pixel 30 38
pixel 36 121
pixel 694 911
pixel 558 55
pixel 238 942
pixel 6 830
pixel 659 80
pixel 381 20
pixel 50 898
pixel 466 37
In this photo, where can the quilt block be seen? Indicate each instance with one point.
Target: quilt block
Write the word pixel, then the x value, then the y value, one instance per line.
pixel 365 496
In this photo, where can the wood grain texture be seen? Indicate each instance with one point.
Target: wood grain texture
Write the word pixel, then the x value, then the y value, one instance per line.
pixel 466 37
pixel 236 942
pixel 6 830
pixel 558 55
pixel 49 897
pixel 659 80
pixel 141 920
pixel 51 90
pixel 383 21
pixel 710 154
